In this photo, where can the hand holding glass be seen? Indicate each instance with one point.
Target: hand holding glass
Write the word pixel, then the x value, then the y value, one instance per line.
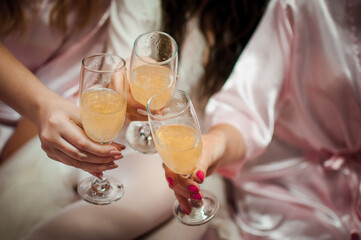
pixel 103 103
pixel 177 136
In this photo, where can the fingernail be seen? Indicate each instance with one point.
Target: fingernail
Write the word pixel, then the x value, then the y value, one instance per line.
pixel 200 175
pixel 112 166
pixel 185 211
pixel 196 196
pixel 354 236
pixel 170 181
pixel 142 112
pixel 193 188
pixel 117 157
pixel 115 153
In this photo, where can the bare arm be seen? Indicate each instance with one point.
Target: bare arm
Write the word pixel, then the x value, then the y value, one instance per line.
pixel 57 120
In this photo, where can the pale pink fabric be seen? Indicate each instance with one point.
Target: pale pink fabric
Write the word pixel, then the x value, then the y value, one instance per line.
pixel 294 95
pixel 53 57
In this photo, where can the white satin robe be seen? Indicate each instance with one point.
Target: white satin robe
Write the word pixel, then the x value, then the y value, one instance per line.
pixel 294 94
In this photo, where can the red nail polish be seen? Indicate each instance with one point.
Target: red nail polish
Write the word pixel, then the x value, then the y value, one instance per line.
pixel 354 236
pixel 200 175
pixel 170 181
pixel 193 188
pixel 185 211
pixel 196 196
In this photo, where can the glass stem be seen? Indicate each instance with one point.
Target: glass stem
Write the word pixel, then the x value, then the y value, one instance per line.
pixel 195 203
pixel 144 131
pixel 100 186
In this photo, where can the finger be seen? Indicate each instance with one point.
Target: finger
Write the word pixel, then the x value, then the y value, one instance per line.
pixel 142 112
pixel 97 174
pixel 183 186
pixel 88 167
pixel 83 143
pixel 202 168
pixel 72 152
pixel 118 146
pixel 184 204
pixel 133 115
pixel 135 109
pixel 199 174
pixel 196 194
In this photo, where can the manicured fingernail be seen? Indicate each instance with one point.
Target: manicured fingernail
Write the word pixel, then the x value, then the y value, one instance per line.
pixel 117 157
pixel 355 236
pixel 185 211
pixel 115 153
pixel 200 175
pixel 170 181
pixel 196 196
pixel 193 188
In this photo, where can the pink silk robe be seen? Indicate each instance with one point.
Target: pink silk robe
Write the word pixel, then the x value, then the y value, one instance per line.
pixel 53 57
pixel 294 94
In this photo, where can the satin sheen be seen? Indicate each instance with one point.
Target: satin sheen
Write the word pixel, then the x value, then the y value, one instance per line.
pixel 294 94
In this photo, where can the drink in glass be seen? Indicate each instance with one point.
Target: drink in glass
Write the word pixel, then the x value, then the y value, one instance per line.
pixel 103 103
pixel 177 136
pixel 153 68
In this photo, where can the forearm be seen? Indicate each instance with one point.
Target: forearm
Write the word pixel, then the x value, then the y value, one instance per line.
pixel 230 144
pixel 20 88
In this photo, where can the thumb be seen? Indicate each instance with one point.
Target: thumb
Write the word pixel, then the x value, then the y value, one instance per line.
pixel 199 174
pixel 209 160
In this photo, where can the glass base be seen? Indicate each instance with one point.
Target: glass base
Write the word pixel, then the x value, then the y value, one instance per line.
pixel 100 192
pixel 200 214
pixel 139 137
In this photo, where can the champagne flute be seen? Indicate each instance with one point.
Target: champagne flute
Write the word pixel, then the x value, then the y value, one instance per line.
pixel 103 103
pixel 153 68
pixel 177 136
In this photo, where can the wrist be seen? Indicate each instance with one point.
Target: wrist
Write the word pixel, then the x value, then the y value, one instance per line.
pixel 230 144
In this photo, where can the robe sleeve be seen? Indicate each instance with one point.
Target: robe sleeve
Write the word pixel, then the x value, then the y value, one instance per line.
pixel 129 19
pixel 248 100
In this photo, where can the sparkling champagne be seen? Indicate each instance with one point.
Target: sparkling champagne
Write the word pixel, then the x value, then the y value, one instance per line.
pixel 148 80
pixel 179 146
pixel 102 111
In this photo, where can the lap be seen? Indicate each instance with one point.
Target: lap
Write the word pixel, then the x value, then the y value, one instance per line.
pixel 40 200
pixel 39 193
pixel 301 198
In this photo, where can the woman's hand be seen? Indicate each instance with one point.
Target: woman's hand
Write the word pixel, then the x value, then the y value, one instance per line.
pixel 135 110
pixel 185 188
pixel 64 140
pixel 57 119
pixel 223 145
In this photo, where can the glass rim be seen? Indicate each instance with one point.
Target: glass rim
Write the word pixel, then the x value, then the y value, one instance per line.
pixel 117 69
pixel 173 115
pixel 174 54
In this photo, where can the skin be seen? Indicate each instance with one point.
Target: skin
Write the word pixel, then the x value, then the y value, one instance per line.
pixel 219 149
pixel 57 120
